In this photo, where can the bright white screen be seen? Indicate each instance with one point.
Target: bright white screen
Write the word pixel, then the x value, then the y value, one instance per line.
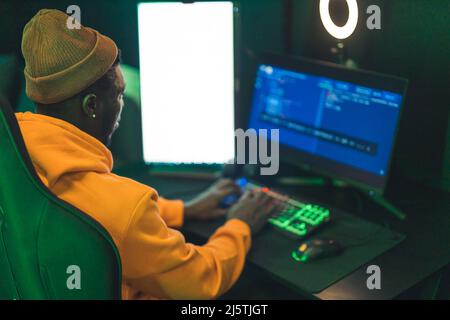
pixel 187 81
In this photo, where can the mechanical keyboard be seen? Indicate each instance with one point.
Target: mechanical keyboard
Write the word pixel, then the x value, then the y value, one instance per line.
pixel 298 219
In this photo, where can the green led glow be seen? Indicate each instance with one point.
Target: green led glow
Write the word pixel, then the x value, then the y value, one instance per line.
pixel 296 218
pixel 131 76
pixel 296 257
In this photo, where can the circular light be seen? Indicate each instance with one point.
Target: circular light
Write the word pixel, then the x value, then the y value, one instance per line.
pixel 336 31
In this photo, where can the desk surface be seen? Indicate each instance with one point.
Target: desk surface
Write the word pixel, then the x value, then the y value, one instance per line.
pixel 425 251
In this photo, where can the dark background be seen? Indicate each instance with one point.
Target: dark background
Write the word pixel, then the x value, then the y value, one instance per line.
pixel 414 43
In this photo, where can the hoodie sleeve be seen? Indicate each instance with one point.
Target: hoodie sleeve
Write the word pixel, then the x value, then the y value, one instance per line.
pixel 158 262
pixel 172 212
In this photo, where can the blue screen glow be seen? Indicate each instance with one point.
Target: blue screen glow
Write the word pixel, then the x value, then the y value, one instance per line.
pixel 340 121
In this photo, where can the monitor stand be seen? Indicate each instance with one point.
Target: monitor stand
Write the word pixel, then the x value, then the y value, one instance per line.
pixel 381 201
pixel 322 181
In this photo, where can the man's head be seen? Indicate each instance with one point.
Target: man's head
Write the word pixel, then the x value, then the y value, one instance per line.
pixel 73 74
pixel 96 110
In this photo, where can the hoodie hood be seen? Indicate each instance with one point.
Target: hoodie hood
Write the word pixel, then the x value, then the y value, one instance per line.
pixel 57 148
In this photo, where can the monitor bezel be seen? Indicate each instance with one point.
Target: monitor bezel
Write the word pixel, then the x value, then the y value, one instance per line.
pixel 367 181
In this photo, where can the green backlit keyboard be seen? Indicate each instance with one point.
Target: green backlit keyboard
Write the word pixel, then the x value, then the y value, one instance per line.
pixel 297 218
pixel 300 219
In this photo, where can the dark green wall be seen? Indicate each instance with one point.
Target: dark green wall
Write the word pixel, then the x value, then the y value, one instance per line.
pixel 446 166
pixel 114 18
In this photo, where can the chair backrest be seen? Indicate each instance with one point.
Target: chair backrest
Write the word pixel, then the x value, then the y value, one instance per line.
pixel 48 248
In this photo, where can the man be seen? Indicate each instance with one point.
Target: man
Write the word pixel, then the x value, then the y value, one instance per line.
pixel 74 78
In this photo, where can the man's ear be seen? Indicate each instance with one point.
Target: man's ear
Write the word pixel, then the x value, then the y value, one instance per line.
pixel 89 105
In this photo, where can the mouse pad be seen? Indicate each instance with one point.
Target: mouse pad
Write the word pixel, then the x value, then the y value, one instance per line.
pixel 362 240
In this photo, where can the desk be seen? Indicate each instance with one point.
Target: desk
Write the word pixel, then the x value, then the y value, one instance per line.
pixel 424 252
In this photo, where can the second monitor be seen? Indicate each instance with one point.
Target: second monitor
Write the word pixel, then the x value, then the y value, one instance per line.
pixel 337 121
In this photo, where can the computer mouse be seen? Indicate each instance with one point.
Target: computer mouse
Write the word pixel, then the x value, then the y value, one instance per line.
pixel 317 249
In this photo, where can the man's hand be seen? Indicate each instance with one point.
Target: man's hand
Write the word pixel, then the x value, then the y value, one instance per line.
pixel 254 208
pixel 206 205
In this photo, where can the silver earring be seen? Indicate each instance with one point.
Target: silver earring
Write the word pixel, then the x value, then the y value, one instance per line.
pixel 86 103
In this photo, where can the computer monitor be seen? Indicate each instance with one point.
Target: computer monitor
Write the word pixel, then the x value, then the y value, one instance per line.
pixel 186 54
pixel 333 120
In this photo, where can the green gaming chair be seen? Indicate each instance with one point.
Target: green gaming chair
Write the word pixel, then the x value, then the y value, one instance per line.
pixel 48 248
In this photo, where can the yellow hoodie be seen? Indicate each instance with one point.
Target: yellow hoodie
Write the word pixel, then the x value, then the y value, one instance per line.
pixel 156 260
